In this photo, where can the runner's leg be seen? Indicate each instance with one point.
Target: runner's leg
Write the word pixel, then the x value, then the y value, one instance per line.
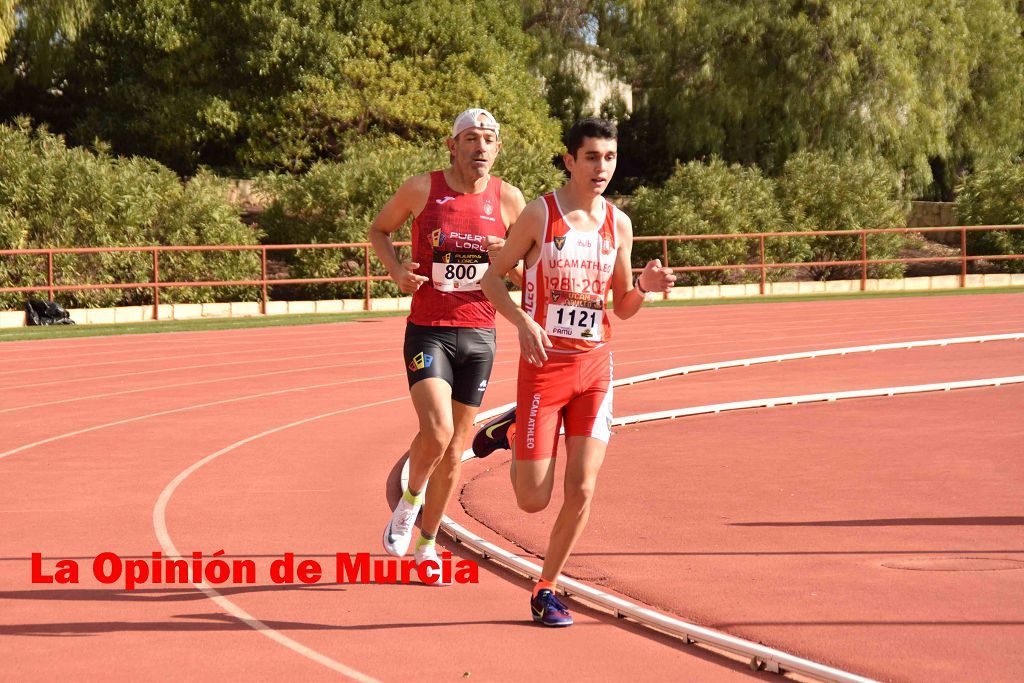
pixel 583 462
pixel 445 477
pixel 432 399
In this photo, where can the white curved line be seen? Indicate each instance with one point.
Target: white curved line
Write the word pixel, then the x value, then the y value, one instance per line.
pixel 772 658
pixel 138 418
pixel 815 398
pixel 195 383
pixel 822 353
pixel 160 527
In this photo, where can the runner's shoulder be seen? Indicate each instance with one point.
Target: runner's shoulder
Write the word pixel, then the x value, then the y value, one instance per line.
pixel 622 221
pixel 418 184
pixel 511 192
pixel 414 193
pixel 534 212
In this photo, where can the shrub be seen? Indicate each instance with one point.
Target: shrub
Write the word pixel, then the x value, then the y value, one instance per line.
pixel 994 195
pixel 706 199
pixel 52 196
pixel 819 192
pixel 336 202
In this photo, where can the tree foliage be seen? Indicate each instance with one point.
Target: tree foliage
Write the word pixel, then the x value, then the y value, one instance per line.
pixel 818 192
pixel 280 84
pixel 759 80
pixel 335 202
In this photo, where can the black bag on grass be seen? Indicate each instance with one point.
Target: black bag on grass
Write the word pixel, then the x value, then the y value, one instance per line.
pixel 46 313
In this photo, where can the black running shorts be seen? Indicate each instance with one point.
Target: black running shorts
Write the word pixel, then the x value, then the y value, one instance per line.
pixel 461 356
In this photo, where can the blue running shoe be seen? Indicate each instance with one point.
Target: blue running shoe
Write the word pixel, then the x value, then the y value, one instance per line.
pixel 549 610
pixel 494 434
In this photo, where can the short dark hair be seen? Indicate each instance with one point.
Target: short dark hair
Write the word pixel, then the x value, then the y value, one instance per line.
pixel 589 128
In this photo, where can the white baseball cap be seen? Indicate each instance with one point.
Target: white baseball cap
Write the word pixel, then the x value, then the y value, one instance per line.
pixel 471 118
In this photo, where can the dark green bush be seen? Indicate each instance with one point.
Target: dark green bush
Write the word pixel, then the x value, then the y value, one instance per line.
pixel 819 192
pixel 709 199
pixel 52 196
pixel 336 202
pixel 994 195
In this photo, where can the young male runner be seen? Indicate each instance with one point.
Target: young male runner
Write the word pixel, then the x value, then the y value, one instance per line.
pixel 576 245
pixel 460 217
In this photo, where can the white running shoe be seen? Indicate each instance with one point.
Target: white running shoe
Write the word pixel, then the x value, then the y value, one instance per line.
pixel 398 533
pixel 428 553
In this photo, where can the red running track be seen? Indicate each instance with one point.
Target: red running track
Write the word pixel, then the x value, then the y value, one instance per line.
pixel 91 442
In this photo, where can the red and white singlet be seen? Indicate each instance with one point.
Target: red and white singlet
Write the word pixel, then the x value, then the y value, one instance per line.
pixel 449 241
pixel 566 290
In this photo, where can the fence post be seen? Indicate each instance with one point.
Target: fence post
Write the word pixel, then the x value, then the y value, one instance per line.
pixel 763 273
pixel 664 262
pixel 263 279
pixel 156 283
pixel 366 282
pixel 863 261
pixel 49 274
pixel 963 257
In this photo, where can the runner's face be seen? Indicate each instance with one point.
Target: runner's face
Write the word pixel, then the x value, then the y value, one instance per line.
pixel 594 164
pixel 474 151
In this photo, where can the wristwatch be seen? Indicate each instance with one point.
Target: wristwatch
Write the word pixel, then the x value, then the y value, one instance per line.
pixel 636 283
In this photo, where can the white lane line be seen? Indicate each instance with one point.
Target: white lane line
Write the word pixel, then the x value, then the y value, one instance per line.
pixel 816 398
pixel 760 656
pixel 822 353
pixel 137 418
pixel 160 527
pixel 195 383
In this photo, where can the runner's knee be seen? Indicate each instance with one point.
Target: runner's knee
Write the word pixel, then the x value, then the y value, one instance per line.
pixel 532 501
pixel 578 496
pixel 436 438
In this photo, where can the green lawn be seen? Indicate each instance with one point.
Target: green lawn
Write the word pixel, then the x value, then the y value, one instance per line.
pixel 65 331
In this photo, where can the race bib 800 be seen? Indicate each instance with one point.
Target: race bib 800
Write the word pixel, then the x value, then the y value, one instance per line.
pixel 458 270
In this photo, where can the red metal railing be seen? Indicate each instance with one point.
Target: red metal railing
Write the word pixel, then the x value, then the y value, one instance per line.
pixel 864 262
pixel 367 278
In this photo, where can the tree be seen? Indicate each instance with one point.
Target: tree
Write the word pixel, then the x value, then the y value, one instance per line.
pixel 55 196
pixel 35 39
pixel 758 80
pixel 988 128
pixel 269 84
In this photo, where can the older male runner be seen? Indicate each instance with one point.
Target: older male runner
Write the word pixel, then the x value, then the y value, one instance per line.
pixel 577 245
pixel 460 217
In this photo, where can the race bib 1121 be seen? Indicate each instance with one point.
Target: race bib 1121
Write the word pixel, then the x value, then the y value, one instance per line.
pixel 575 317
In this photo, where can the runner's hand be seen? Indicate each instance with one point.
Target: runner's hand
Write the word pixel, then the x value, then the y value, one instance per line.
pixel 654 278
pixel 407 280
pixel 532 341
pixel 494 245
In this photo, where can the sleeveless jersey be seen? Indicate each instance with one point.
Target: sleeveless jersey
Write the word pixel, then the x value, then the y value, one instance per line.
pixel 566 290
pixel 449 242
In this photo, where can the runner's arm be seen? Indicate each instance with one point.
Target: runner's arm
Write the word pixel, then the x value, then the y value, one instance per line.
pixel 408 201
pixel 512 205
pixel 522 237
pixel 628 299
